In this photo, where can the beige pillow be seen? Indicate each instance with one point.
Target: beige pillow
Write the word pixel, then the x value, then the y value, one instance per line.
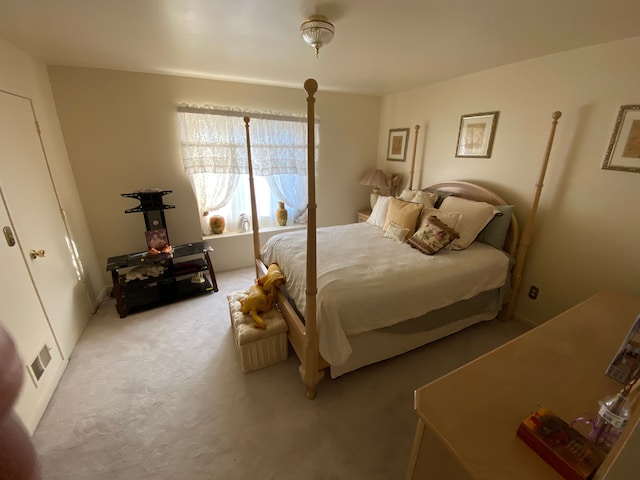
pixel 450 219
pixel 474 216
pixel 404 214
pixel 427 199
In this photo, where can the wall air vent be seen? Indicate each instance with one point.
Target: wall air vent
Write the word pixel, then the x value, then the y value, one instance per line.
pixel 40 363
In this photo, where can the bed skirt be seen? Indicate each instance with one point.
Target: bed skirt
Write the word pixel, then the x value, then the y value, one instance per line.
pixel 385 343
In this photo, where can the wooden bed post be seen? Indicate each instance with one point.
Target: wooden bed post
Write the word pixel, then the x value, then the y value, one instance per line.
pixel 413 160
pixel 309 368
pixel 527 232
pixel 254 209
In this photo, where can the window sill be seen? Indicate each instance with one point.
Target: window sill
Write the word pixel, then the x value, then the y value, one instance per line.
pixel 278 229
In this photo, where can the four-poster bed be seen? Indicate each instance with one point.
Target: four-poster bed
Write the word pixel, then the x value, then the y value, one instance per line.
pixel 348 309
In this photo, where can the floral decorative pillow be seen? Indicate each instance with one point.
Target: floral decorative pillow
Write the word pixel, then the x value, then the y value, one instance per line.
pixel 433 236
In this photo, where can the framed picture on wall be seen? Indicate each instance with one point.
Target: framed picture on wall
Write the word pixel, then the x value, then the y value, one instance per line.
pixel 476 133
pixel 398 141
pixel 624 148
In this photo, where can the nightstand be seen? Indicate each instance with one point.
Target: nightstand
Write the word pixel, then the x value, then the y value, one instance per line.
pixel 363 215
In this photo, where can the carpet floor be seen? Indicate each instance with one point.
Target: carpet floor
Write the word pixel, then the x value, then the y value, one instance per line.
pixel 160 395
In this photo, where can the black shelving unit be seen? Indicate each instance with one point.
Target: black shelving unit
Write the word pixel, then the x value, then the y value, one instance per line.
pixel 175 282
pixel 178 279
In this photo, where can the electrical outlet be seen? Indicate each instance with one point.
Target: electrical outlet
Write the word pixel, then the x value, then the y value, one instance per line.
pixel 533 292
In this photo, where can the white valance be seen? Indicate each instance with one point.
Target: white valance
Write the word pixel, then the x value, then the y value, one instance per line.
pixel 213 140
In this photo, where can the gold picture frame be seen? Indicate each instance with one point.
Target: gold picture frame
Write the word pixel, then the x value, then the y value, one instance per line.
pixel 623 152
pixel 476 134
pixel 398 142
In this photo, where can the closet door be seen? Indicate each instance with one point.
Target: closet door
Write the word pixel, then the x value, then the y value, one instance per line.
pixel 22 315
pixel 32 203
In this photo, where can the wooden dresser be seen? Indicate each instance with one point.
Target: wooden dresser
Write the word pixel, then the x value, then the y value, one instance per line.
pixel 467 419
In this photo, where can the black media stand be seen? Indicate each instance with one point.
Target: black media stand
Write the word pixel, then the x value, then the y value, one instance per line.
pixel 174 283
pixel 165 280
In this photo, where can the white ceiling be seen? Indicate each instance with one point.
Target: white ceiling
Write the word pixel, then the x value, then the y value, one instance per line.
pixel 380 46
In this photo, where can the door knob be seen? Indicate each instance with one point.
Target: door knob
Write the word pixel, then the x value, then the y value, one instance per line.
pixel 36 253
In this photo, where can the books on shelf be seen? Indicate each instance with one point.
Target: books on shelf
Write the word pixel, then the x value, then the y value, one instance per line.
pixel 570 453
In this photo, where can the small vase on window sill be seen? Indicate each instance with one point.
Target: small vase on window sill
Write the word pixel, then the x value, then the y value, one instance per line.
pixel 217 223
pixel 204 223
pixel 281 214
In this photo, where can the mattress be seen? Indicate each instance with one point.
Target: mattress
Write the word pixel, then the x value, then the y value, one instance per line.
pixel 366 281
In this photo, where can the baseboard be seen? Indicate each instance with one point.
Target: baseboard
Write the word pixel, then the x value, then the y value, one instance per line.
pixel 524 321
pixel 32 423
pixel 105 294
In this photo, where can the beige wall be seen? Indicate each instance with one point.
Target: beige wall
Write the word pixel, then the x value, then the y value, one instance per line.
pixel 120 130
pixel 587 232
pixel 23 75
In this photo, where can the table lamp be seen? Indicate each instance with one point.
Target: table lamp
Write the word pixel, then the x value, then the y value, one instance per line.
pixel 376 179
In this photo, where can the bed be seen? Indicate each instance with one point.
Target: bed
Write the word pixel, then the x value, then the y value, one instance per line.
pixel 356 295
pixel 368 282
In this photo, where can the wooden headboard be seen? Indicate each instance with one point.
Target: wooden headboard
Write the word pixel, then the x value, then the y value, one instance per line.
pixel 471 191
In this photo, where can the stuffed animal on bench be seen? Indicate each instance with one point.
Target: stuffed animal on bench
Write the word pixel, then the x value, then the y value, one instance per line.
pixel 261 296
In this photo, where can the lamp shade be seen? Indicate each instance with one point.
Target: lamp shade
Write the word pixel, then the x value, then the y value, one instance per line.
pixel 374 178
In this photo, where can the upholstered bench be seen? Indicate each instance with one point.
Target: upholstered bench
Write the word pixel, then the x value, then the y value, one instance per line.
pixel 258 348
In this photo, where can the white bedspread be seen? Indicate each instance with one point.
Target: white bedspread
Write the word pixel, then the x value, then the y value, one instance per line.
pixel 366 281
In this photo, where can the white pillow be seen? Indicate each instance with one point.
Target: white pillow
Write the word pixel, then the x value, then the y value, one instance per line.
pixel 379 213
pixel 474 216
pixel 428 199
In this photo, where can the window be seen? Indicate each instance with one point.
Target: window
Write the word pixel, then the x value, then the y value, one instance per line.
pixel 214 153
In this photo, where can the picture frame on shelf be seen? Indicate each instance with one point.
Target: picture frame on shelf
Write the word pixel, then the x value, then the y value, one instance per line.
pixel 157 239
pixel 476 134
pixel 626 361
pixel 623 153
pixel 398 142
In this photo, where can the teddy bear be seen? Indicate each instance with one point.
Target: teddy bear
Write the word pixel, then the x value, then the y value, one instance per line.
pixel 261 296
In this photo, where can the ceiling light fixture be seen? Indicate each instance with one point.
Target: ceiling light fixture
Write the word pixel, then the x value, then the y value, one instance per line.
pixel 317 31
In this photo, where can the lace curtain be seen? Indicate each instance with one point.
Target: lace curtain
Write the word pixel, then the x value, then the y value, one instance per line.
pixel 214 153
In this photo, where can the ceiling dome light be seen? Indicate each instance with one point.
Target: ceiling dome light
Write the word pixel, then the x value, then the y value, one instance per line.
pixel 317 31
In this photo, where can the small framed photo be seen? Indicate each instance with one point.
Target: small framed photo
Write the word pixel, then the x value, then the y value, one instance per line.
pixel 624 148
pixel 157 239
pixel 398 141
pixel 625 366
pixel 476 133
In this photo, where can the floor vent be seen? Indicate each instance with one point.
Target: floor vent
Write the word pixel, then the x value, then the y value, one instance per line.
pixel 40 363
